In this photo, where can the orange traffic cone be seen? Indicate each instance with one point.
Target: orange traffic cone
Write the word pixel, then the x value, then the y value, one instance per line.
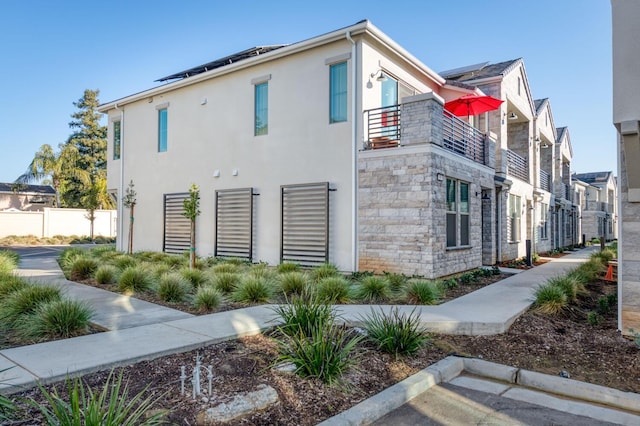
pixel 609 275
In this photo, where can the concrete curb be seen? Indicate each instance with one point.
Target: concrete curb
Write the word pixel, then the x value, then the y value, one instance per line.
pixel 393 397
pixel 448 369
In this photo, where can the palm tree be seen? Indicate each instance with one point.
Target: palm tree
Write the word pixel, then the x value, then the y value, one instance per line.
pixel 47 165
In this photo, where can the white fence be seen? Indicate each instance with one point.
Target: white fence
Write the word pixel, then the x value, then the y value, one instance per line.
pixel 52 221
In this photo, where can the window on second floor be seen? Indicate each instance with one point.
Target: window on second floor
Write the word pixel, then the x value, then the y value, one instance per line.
pixel 162 129
pixel 457 213
pixel 338 92
pixel 117 129
pixel 261 123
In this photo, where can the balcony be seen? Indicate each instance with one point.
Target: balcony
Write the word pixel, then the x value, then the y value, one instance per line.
pixel 517 166
pixel 545 181
pixel 598 206
pixel 384 131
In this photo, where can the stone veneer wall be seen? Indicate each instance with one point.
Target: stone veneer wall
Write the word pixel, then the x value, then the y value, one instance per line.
pixel 628 254
pixel 402 211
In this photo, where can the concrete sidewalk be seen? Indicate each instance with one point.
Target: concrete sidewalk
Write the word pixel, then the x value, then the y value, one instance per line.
pixel 142 330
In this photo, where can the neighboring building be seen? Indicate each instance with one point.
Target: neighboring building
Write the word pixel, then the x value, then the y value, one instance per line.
pixel 536 205
pixel 597 197
pixel 335 149
pixel 22 197
pixel 626 118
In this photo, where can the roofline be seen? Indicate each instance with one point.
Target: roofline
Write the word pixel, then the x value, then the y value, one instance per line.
pixel 361 27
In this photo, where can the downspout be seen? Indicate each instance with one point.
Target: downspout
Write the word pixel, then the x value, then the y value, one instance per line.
pixel 354 155
pixel 621 271
pixel 120 205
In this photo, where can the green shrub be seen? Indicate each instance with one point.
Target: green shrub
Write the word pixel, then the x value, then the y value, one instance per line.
pixel 495 270
pixel 196 277
pixel 325 270
pixel 423 292
pixel 8 261
pixel 82 268
pixel 134 279
pixel 57 319
pixel 467 278
pixel 395 333
pixel 226 282
pixel 252 290
pixel 303 314
pixel 449 283
pixel 285 267
pixel 26 301
pixel 603 305
pixel 10 283
pixel 79 404
pixel 326 355
pixel 593 318
pixel 550 299
pixel 293 283
pixel 173 287
pixel 106 274
pixel 207 298
pixel 334 289
pixel 373 289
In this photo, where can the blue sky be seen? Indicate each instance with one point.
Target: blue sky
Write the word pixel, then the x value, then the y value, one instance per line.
pixel 51 51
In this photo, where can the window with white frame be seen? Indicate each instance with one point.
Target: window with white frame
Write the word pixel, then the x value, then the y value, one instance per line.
pixel 515 209
pixel 457 213
pixel 544 221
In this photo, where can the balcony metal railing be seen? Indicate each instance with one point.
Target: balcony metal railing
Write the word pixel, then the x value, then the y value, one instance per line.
pixel 545 181
pixel 383 127
pixel 461 138
pixel 598 205
pixel 517 166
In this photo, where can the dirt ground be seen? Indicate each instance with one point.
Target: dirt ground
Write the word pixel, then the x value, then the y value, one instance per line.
pixel 549 344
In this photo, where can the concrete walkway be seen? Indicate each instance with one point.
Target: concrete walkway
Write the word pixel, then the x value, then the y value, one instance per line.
pixel 141 330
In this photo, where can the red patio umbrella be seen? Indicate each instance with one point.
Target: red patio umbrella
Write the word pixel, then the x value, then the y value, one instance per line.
pixel 472 105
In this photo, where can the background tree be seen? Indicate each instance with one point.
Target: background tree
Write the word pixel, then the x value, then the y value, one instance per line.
pixel 191 210
pixel 129 201
pixel 95 198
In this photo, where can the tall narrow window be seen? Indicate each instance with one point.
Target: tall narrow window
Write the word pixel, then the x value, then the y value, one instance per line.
pixel 261 125
pixel 514 217
pixel 338 92
pixel 457 213
pixel 117 128
pixel 162 130
pixel 544 221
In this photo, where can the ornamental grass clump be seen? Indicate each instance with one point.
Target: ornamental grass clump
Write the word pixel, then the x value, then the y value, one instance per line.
pixel 134 279
pixel 82 268
pixel 325 270
pixel 327 354
pixel 10 283
pixel 124 261
pixel 423 292
pixel 8 261
pixel 226 282
pixel 334 289
pixel 106 274
pixel 194 276
pixel 253 290
pixel 285 267
pixel 605 256
pixel 263 271
pixel 303 314
pixel 293 283
pixel 207 298
pixel 396 281
pixel 550 299
pixel 394 332
pixel 226 267
pixel 68 255
pixel 373 289
pixel 59 319
pixel 173 287
pixel 26 301
pixel 79 404
pixel 569 286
